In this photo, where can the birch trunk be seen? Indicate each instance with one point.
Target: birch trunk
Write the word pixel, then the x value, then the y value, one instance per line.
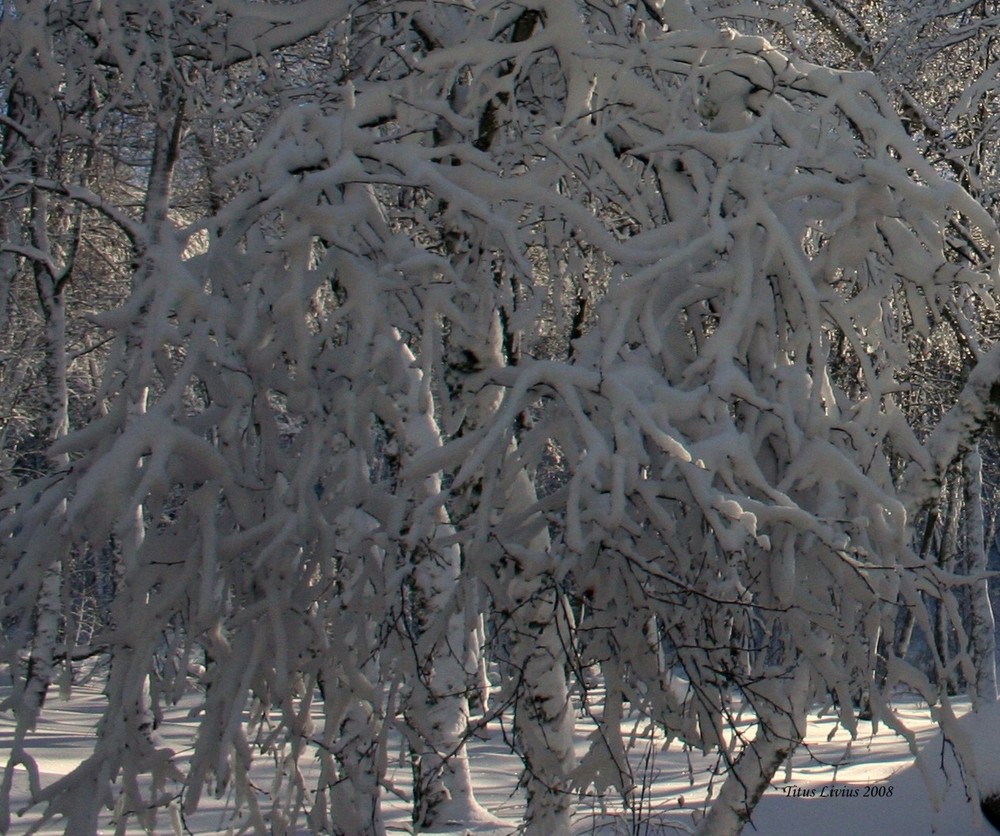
pixel 438 705
pixel 355 796
pixel 781 726
pixel 48 620
pixel 542 625
pixel 984 649
pixel 352 755
pixel 52 298
pixel 946 560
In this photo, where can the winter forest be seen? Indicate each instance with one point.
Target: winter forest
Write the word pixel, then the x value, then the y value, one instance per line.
pixel 372 371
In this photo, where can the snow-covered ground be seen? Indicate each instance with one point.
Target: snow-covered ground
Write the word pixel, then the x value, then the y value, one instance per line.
pixel 833 787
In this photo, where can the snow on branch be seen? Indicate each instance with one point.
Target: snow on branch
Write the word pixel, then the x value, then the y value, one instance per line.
pixel 631 366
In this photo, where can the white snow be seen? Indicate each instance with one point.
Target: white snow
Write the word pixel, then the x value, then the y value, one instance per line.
pixel 834 786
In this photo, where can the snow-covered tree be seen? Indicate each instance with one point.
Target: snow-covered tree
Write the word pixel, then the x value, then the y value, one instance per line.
pixel 599 316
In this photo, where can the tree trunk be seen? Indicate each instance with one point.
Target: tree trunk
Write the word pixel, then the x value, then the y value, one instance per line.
pixel 781 726
pixel 984 649
pixel 48 614
pixel 946 561
pixel 352 754
pixel 543 719
pixel 355 797
pixel 438 706
pixel 542 625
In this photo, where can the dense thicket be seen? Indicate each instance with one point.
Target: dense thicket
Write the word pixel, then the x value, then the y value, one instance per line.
pixel 363 359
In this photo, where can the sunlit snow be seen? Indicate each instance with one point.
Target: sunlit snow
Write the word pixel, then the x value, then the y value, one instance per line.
pixel 834 785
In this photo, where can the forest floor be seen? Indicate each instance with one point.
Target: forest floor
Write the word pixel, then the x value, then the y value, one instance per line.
pixel 833 787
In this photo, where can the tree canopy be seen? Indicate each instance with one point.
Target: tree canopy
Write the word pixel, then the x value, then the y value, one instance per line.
pixel 389 347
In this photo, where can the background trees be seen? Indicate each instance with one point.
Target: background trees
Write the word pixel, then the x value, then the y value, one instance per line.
pixel 595 323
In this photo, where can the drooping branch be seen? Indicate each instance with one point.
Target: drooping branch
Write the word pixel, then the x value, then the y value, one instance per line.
pixel 977 410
